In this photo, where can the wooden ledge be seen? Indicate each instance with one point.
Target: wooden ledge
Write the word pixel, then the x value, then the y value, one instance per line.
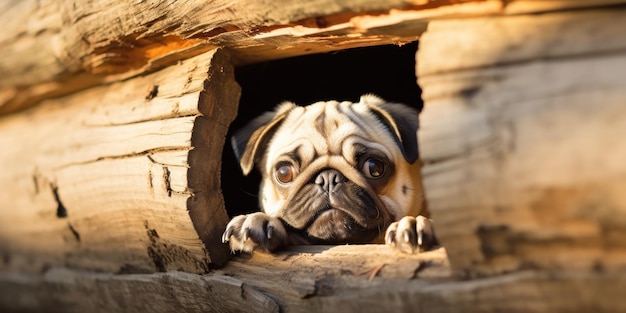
pixel 305 272
pixel 360 263
pixel 359 278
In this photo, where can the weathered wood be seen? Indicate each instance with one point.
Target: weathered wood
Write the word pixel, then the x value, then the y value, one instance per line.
pixel 66 47
pixel 63 290
pixel 121 178
pixel 522 140
pixel 360 278
pixel 69 46
pixel 303 278
pixel 524 162
pixel 514 39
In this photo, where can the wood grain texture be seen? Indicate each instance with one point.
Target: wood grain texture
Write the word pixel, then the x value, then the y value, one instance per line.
pixel 521 136
pixel 65 47
pixel 523 149
pixel 63 290
pixel 515 39
pixel 352 278
pixel 106 180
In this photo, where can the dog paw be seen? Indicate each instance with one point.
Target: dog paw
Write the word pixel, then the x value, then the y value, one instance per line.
pixel 411 234
pixel 255 231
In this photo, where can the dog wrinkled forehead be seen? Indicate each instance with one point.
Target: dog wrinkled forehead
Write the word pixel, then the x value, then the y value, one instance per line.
pixel 329 128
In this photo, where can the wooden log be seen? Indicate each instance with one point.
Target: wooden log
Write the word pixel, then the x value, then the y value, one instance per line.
pixel 117 182
pixel 63 290
pixel 121 178
pixel 521 140
pixel 358 278
pixel 69 47
pixel 64 48
pixel 514 39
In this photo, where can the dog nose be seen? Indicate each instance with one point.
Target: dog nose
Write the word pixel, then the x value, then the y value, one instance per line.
pixel 328 179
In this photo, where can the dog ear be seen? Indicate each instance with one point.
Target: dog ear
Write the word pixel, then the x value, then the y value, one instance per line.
pixel 401 120
pixel 250 142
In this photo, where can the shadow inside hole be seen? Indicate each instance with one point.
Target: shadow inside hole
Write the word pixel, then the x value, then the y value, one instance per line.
pixel 387 71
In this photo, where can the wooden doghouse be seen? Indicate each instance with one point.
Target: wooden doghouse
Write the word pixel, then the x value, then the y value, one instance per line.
pixel 114 115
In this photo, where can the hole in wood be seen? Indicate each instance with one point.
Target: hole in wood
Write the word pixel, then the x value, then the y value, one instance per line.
pixel 387 71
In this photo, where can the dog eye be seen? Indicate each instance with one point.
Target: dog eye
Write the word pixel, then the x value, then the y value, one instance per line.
pixel 374 168
pixel 284 173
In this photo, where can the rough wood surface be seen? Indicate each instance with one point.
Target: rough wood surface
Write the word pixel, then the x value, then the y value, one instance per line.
pixel 522 140
pixel 63 290
pixel 123 177
pixel 521 136
pixel 520 38
pixel 361 278
pixel 52 48
pixel 373 278
pixel 67 47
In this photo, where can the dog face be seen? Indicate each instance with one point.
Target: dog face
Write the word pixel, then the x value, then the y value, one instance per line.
pixel 336 172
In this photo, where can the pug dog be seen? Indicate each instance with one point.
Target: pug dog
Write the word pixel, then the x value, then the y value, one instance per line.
pixel 333 173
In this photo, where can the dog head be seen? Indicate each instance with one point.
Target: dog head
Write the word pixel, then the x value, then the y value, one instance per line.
pixel 339 172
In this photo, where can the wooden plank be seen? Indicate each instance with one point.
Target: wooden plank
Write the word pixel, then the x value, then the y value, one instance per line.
pixel 69 47
pixel 65 48
pixel 523 159
pixel 514 39
pixel 106 179
pixel 85 37
pixel 351 278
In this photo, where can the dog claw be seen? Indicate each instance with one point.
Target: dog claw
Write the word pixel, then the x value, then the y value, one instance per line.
pixel 227 234
pixel 270 230
pixel 246 234
pixel 406 236
pixel 389 237
pixel 420 235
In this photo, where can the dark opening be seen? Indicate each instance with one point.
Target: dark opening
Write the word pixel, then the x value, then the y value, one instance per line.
pixel 387 71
